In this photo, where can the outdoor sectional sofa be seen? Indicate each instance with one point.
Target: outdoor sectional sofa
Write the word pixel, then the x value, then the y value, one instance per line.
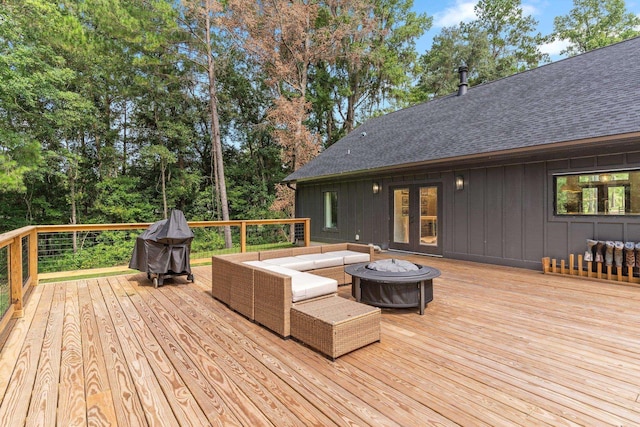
pixel 264 286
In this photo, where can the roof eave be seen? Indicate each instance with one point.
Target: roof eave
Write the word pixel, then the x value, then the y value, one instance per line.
pixel 494 155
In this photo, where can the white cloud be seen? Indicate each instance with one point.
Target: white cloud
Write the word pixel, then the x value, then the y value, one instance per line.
pixel 554 48
pixel 529 9
pixel 462 11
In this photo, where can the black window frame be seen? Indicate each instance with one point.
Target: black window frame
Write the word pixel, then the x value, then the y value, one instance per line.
pixel 601 182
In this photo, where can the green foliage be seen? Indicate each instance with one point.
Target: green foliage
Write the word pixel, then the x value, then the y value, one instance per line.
pixel 94 250
pixel 592 24
pixel 123 200
pixel 500 42
pixel 262 235
pixel 207 240
pixel 11 174
pixel 374 68
pixel 451 48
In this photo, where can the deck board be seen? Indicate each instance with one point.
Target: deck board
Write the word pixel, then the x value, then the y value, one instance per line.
pixel 174 389
pixel 497 347
pixel 15 403
pixel 208 400
pixel 252 340
pixel 126 402
pixel 100 405
pixel 72 401
pixel 11 351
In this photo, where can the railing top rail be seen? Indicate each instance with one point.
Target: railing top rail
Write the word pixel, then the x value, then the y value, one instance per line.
pixel 7 238
pixel 91 227
pixel 247 222
pixel 141 225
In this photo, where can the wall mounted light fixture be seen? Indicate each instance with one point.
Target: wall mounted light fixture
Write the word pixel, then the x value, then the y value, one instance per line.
pixel 459 182
pixel 604 177
pixel 376 188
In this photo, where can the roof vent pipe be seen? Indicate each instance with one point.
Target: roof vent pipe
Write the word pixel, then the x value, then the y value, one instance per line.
pixel 462 87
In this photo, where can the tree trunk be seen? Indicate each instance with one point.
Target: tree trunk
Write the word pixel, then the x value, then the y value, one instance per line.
pixel 72 173
pixel 124 141
pixel 215 131
pixel 354 82
pixel 74 219
pixel 215 192
pixel 163 169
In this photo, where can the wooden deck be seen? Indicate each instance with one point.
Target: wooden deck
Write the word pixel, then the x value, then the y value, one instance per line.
pixel 497 346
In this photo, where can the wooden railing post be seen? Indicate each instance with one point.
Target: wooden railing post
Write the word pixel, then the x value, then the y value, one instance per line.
pixel 243 236
pixel 307 232
pixel 15 276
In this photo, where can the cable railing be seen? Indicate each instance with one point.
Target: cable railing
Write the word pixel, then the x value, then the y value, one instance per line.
pixel 17 274
pixel 34 253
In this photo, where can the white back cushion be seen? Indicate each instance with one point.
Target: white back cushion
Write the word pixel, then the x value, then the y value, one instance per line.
pixel 292 262
pixel 275 268
pixel 323 260
pixel 351 257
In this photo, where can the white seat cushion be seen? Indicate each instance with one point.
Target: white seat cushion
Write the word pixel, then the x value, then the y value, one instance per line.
pixel 323 260
pixel 303 285
pixel 351 257
pixel 275 268
pixel 306 286
pixel 292 262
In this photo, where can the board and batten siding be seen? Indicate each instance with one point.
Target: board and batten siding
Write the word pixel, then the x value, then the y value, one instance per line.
pixel 568 234
pixel 359 211
pixel 504 215
pixel 499 216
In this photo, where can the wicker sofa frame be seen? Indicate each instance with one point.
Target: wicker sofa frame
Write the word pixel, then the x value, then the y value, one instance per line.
pixel 265 296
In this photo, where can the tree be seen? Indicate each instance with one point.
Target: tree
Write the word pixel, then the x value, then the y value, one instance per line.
pixel 512 42
pixel 36 106
pixel 592 24
pixel 287 39
pixel 202 15
pixel 373 66
pixel 123 199
pixel 162 157
pixel 255 166
pixel 499 43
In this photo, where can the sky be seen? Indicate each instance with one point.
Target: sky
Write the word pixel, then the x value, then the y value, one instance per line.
pixel 447 13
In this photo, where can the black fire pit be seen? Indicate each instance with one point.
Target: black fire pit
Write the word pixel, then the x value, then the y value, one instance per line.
pixel 393 283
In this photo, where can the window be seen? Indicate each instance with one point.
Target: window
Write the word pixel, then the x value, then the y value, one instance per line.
pixel 602 193
pixel 331 209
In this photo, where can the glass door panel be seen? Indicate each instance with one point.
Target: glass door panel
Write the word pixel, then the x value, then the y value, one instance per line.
pixel 429 216
pixel 415 222
pixel 401 215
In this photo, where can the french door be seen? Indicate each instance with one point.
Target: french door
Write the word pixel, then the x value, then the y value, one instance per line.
pixel 415 218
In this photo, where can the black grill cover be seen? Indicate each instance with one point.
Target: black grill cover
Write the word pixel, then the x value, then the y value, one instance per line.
pixel 164 247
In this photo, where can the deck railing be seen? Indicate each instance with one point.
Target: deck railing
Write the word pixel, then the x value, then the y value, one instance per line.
pixel 29 251
pixel 18 273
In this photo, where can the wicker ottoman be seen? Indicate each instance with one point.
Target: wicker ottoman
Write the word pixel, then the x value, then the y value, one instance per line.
pixel 335 325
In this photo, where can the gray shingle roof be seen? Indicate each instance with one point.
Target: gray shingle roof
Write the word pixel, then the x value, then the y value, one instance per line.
pixel 590 95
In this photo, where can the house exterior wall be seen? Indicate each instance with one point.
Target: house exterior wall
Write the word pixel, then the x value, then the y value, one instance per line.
pixel 567 234
pixel 504 215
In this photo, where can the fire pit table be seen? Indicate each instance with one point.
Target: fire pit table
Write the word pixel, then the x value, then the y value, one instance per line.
pixel 392 283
